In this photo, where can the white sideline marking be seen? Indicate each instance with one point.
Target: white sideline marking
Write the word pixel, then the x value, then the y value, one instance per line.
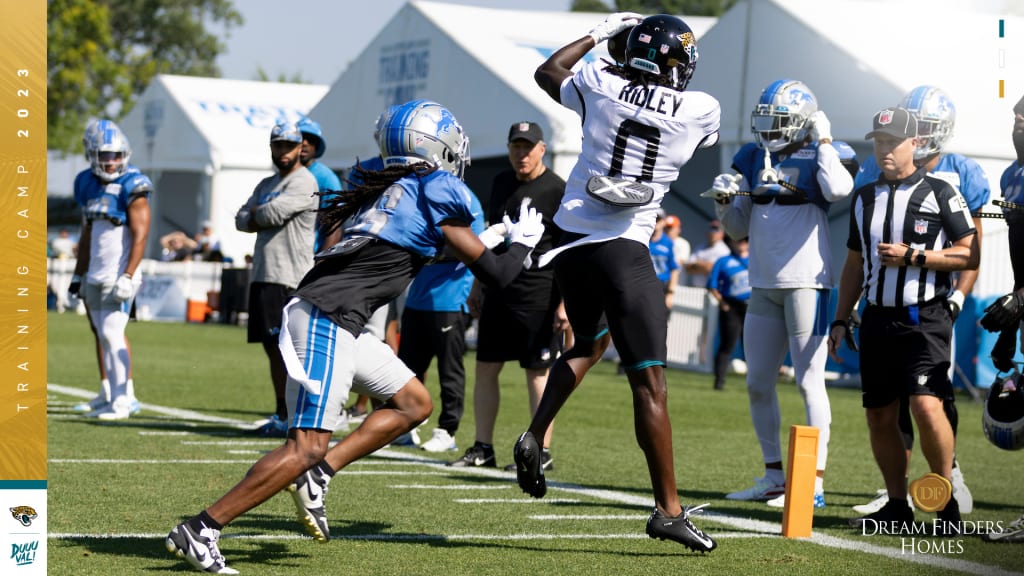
pixel 165 410
pixel 389 537
pixel 445 486
pixel 523 500
pixel 749 528
pixel 631 517
pixel 129 461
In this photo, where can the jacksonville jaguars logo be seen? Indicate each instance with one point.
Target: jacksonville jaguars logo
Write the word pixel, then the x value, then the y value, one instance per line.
pixel 689 44
pixel 24 514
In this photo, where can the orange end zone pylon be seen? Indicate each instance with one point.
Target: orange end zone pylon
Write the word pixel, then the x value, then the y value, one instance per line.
pixel 798 515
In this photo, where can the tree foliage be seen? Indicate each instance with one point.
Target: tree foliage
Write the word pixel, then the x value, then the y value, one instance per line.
pixel 103 53
pixel 647 7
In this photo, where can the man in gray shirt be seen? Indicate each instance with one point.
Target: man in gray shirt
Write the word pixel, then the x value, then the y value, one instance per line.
pixel 282 213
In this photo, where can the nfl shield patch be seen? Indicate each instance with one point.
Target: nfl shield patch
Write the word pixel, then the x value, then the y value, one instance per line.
pixel 920 226
pixel 885 117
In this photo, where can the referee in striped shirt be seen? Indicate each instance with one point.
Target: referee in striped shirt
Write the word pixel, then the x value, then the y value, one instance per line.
pixel 908 232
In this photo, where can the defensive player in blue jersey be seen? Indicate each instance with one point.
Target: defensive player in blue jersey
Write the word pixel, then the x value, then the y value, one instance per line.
pixel 793 174
pixel 391 224
pixel 103 397
pixel 936 119
pixel 114 198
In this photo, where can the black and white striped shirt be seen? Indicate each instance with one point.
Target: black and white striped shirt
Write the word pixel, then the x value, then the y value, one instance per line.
pixel 926 213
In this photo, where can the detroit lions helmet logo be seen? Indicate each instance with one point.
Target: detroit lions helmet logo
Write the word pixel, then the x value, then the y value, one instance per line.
pixel 24 514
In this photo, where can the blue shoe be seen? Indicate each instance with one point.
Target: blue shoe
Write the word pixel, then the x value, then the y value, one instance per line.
pixel 779 502
pixel 274 427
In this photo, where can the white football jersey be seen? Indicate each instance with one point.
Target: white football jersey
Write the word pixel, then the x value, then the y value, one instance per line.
pixel 642 133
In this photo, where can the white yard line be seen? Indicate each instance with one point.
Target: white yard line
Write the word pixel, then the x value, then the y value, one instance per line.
pixel 749 528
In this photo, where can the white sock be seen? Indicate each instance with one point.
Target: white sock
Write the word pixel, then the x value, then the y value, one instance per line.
pixel 130 385
pixel 819 485
pixel 776 476
pixel 105 389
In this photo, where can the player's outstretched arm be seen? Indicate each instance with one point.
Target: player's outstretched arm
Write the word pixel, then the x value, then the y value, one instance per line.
pixel 550 75
pixel 488 267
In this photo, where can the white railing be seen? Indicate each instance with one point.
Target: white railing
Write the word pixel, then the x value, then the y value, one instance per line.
pixel 165 291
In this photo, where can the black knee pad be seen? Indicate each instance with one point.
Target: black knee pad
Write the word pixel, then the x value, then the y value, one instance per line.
pixel 949 407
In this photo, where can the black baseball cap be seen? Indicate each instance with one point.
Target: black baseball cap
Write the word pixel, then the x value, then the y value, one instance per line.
pixel 898 122
pixel 529 131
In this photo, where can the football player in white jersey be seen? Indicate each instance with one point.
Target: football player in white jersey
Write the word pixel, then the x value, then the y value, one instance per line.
pixel 114 198
pixel 792 174
pixel 640 127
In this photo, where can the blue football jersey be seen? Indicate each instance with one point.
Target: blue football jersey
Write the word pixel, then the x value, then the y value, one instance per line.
pixel 444 286
pixel 1012 183
pixel 800 169
pixel 109 200
pixel 326 179
pixel 965 174
pixel 730 276
pixel 409 213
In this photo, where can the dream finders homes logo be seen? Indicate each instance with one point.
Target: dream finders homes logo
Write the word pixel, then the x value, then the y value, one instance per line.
pixel 946 534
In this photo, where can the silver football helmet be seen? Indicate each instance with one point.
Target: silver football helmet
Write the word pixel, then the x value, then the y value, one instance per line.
pixel 781 115
pixel 108 149
pixel 93 128
pixel 936 117
pixel 422 131
pixel 1003 420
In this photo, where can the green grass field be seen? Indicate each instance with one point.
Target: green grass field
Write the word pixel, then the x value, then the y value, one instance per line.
pixel 116 489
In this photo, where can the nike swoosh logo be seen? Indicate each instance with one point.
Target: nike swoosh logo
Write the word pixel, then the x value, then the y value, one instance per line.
pixel 478 461
pixel 200 557
pixel 314 491
pixel 445 328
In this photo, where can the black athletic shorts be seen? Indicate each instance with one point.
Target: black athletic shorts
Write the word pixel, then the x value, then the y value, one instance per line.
pixel 905 352
pixel 266 302
pixel 505 334
pixel 613 284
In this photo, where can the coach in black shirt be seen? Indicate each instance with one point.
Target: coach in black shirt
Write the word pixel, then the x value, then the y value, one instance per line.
pixel 908 231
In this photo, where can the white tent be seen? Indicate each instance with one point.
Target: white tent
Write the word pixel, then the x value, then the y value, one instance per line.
pixel 478 62
pixel 205 144
pixel 859 56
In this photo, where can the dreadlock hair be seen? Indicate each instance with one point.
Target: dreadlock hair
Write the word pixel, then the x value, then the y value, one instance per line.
pixel 637 77
pixel 367 188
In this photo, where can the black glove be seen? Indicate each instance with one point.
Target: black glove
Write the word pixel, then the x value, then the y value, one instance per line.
pixel 75 287
pixel 1004 313
pixel 1004 349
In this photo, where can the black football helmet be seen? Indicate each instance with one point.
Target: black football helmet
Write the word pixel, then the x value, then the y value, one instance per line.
pixel 1003 419
pixel 617 45
pixel 665 46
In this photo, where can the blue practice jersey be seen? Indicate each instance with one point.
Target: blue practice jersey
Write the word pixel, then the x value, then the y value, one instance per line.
pixel 1012 183
pixel 326 179
pixel 444 286
pixel 663 257
pixel 964 174
pixel 101 200
pixel 799 169
pixel 730 277
pixel 410 212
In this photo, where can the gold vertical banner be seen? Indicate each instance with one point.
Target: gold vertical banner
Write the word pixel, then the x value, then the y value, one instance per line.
pixel 23 241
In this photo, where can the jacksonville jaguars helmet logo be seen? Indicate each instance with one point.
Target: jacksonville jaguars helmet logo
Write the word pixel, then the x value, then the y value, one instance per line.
pixel 24 514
